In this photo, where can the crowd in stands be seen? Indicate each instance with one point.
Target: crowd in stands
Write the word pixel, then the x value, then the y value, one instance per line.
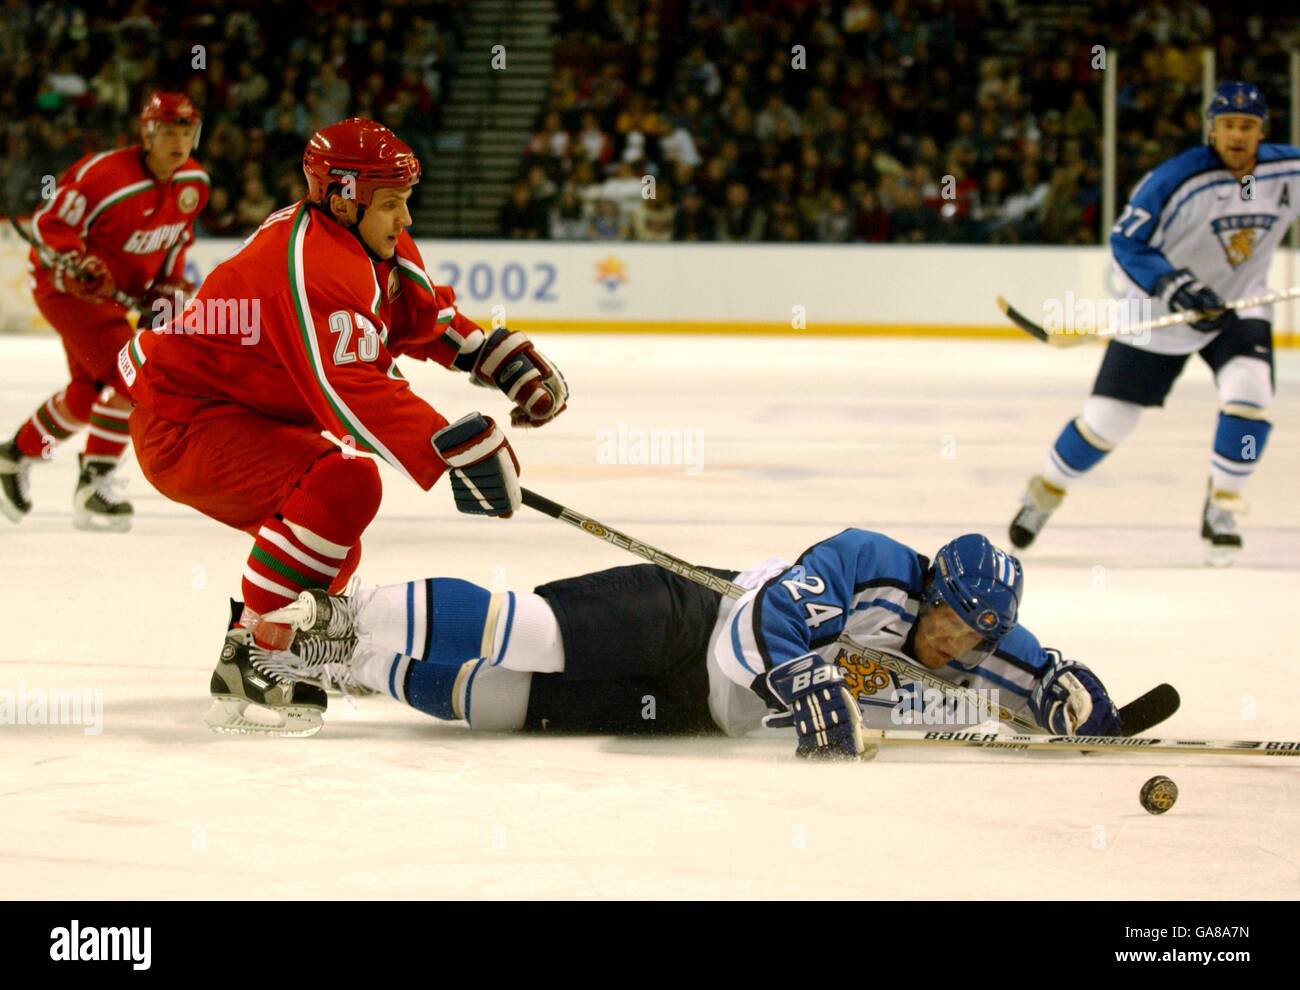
pixel 264 75
pixel 960 121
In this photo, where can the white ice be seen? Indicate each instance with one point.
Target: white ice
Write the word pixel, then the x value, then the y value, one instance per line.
pixel 924 439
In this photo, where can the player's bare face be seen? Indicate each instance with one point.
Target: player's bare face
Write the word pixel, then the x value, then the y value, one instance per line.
pixel 1236 138
pixel 169 147
pixel 941 635
pixel 385 218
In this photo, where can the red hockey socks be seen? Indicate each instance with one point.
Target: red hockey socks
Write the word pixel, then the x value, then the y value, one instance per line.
pixel 109 433
pixel 58 418
pixel 313 541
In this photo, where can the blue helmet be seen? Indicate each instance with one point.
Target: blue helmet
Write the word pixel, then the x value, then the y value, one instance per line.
pixel 981 583
pixel 1238 97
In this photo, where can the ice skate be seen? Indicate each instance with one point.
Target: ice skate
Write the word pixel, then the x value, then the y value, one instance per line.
pixel 1219 527
pixel 325 638
pixel 1041 500
pixel 318 614
pixel 99 508
pixel 256 691
pixel 15 482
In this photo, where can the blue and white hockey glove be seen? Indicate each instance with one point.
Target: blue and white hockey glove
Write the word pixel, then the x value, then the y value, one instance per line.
pixel 1070 701
pixel 484 469
pixel 1182 291
pixel 821 708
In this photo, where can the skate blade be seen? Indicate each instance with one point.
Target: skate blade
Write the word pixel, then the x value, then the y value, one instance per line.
pixel 89 523
pixel 11 511
pixel 234 715
pixel 1220 556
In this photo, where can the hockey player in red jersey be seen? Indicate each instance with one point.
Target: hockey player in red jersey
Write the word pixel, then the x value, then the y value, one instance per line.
pixel 119 222
pixel 228 419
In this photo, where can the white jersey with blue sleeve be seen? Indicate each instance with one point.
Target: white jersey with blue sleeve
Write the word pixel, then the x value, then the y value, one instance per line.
pixel 868 586
pixel 1189 212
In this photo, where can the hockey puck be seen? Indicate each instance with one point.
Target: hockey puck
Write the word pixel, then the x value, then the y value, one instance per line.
pixel 1158 795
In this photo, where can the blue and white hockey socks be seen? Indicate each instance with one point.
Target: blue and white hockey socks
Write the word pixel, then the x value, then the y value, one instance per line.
pixel 449 621
pixel 1104 425
pixel 1239 441
pixel 491 699
pixel 454 650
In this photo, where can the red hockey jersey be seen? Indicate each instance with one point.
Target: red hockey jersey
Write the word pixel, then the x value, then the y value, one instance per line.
pixel 302 325
pixel 110 205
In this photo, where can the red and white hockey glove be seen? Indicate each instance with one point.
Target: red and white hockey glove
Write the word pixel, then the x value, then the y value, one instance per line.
pixel 508 361
pixel 87 278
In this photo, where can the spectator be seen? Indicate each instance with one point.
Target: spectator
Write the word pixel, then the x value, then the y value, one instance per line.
pixel 654 219
pixel 739 219
pixel 521 217
pixel 255 204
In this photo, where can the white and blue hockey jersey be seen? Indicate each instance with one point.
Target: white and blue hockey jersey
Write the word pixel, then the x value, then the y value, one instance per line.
pixel 1189 212
pixel 867 586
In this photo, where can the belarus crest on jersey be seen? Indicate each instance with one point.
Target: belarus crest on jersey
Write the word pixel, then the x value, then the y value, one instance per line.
pixel 187 199
pixel 1239 235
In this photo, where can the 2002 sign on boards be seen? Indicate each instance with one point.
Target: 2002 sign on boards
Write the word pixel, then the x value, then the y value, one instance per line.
pixel 482 279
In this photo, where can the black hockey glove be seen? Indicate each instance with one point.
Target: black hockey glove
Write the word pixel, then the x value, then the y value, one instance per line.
pixel 1181 291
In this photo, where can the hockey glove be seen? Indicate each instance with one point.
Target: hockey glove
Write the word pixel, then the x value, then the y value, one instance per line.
pixel 165 300
pixel 484 469
pixel 508 361
pixel 1181 291
pixel 1070 701
pixel 821 708
pixel 87 278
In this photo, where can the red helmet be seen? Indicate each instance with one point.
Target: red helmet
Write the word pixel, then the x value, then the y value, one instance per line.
pixel 371 153
pixel 170 108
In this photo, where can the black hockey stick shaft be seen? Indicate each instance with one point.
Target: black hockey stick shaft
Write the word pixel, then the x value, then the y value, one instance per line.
pixel 50 259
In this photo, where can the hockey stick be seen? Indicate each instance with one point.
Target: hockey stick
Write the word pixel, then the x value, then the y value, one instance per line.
pixel 1085 744
pixel 1058 338
pixel 1150 709
pixel 50 259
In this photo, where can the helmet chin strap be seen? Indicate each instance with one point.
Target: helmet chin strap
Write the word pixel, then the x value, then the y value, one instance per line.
pixel 354 227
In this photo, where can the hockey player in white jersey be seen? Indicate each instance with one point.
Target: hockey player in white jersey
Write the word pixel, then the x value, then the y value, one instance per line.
pixel 1198 229
pixel 641 650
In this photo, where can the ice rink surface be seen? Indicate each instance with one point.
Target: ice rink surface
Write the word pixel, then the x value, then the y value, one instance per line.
pixel 923 439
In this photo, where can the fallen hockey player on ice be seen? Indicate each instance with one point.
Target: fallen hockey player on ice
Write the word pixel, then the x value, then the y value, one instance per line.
pixel 638 649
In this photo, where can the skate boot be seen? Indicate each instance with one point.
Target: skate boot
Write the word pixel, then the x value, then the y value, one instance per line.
pixel 1041 500
pixel 1219 527
pixel 325 639
pixel 97 505
pixel 320 615
pixel 255 691
pixel 328 662
pixel 15 482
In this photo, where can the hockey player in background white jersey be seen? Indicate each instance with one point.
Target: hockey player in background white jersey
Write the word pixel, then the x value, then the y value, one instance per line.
pixel 1198 229
pixel 638 649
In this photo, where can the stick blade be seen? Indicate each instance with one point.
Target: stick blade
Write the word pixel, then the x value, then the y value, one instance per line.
pixel 1022 321
pixel 1149 710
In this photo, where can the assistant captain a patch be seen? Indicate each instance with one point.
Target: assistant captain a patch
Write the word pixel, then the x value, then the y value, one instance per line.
pixel 1240 235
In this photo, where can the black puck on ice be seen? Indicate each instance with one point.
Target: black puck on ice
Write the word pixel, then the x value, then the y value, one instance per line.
pixel 1158 795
